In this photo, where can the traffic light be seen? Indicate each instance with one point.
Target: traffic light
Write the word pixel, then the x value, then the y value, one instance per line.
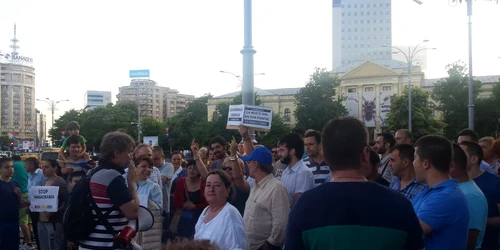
pixel 12 146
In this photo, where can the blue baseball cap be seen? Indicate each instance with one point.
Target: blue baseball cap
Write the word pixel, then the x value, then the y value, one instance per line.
pixel 261 155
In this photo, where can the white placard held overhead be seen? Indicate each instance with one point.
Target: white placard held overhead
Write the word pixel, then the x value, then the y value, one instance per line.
pixel 44 198
pixel 255 117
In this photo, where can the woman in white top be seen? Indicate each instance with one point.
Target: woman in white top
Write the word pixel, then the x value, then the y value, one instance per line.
pixel 150 197
pixel 220 222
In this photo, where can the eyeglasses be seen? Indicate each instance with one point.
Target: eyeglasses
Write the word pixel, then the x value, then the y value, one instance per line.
pixel 225 168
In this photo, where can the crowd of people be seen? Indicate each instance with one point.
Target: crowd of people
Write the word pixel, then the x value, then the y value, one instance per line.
pixel 320 190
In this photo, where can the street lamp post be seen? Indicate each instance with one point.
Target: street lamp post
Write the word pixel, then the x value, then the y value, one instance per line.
pixel 410 56
pixel 239 77
pixel 52 106
pixel 471 94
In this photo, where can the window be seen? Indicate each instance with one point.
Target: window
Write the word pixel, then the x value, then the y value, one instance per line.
pixel 288 113
pixel 386 88
pixel 369 89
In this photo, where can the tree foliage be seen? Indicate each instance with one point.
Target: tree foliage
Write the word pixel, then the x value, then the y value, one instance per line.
pixel 95 123
pixel 423 120
pixel 315 103
pixel 4 142
pixel 278 129
pixel 452 95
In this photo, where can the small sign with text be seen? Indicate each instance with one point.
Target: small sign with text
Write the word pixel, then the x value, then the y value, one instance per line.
pixel 255 117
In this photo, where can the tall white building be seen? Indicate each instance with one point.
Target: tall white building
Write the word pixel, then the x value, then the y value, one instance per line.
pixel 93 99
pixel 361 31
pixel 17 92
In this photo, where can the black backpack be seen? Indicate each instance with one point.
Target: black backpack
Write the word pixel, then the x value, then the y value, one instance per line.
pixel 78 220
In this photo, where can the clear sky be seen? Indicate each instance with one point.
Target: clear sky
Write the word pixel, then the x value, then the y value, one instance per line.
pixel 91 45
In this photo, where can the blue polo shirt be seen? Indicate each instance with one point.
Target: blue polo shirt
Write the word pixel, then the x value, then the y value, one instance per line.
pixel 445 209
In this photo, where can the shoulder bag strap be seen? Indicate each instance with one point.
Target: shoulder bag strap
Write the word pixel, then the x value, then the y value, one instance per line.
pixel 101 217
pixel 186 189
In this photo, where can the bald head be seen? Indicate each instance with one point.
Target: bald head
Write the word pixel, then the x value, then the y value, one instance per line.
pixel 403 136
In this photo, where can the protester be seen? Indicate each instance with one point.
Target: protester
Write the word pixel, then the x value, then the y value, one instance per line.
pixel 110 192
pixel 490 185
pixel 350 212
pixel 50 229
pixel 35 178
pixel 10 201
pixel 478 206
pixel 315 160
pixel 404 181
pixel 266 214
pixel 189 199
pixel 442 209
pixel 73 129
pixel 297 177
pixel 150 196
pixel 220 222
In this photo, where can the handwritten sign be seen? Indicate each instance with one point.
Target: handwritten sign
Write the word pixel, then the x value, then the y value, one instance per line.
pixel 44 199
pixel 255 117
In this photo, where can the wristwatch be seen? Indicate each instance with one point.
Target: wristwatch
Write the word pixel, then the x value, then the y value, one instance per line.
pixel 233 158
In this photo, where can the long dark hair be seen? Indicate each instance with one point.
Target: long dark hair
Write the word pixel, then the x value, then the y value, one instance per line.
pixel 55 164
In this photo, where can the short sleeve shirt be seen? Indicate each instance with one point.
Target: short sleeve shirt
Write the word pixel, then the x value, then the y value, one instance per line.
pixel 478 209
pixel 445 209
pixel 64 146
pixel 9 202
pixel 297 179
pixel 490 186
pixel 21 176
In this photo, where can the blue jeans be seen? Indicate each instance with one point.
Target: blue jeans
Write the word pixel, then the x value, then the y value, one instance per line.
pixel 9 235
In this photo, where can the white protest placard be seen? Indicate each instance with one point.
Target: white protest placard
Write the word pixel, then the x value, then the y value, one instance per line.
pixel 44 198
pixel 255 117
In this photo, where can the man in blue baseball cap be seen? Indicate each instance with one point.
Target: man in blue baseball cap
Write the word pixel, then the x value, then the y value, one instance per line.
pixel 267 209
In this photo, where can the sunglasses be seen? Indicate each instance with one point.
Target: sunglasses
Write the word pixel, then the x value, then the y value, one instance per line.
pixel 225 168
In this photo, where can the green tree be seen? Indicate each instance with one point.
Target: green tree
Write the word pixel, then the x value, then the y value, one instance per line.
pixel 452 95
pixel 487 113
pixel 220 122
pixel 4 142
pixel 423 120
pixel 152 127
pixel 191 123
pixel 59 128
pixel 315 103
pixel 95 123
pixel 278 129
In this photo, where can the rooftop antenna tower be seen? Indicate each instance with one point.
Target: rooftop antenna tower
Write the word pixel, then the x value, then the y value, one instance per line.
pixel 14 41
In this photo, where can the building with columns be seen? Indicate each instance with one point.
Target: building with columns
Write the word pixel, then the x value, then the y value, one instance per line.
pixel 282 101
pixel 368 88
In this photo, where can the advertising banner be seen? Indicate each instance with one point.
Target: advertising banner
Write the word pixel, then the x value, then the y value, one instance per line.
pixel 352 102
pixel 142 73
pixel 369 107
pixel 385 103
pixel 150 140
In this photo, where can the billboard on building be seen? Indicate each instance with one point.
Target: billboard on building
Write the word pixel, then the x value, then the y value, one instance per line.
pixel 369 106
pixel 352 102
pixel 141 73
pixel 385 102
pixel 150 140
